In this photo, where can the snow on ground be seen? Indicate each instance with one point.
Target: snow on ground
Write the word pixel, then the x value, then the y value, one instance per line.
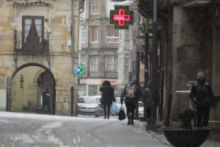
pixel 32 116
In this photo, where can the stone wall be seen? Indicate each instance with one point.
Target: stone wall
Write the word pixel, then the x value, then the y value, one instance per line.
pixel 57 22
pixel 187 57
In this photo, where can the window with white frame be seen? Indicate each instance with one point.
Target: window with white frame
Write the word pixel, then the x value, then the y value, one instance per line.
pixel 83 34
pixel 111 63
pixel 31 23
pixel 83 60
pixel 95 6
pixel 93 63
pixel 94 34
pixel 112 34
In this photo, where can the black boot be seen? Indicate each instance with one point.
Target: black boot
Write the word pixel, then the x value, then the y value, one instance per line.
pixel 129 122
pixel 132 121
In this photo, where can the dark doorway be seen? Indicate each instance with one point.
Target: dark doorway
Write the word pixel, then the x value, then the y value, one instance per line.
pixel 45 81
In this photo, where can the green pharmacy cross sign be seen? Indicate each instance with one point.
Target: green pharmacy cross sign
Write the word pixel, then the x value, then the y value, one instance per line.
pixel 80 70
pixel 121 17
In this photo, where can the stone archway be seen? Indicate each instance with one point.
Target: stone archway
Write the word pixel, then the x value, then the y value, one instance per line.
pixel 27 84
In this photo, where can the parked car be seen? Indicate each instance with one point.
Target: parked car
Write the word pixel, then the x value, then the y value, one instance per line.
pixel 101 109
pixel 140 109
pixel 87 105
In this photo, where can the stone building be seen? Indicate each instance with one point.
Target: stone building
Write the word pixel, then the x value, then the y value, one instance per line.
pixel 188 36
pixel 36 53
pixel 99 45
pixel 105 52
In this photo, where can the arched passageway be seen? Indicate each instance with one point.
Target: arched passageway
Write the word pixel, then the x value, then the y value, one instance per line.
pixel 27 85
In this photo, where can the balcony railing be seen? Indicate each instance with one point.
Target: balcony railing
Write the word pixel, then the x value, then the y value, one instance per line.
pixel 33 46
pixel 192 3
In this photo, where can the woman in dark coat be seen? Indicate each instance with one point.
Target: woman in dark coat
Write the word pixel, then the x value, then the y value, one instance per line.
pixel 107 97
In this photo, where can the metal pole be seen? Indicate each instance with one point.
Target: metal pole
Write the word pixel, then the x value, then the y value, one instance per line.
pixel 146 61
pixel 72 51
pixel 152 124
pixel 137 78
pixel 72 98
pixel 146 54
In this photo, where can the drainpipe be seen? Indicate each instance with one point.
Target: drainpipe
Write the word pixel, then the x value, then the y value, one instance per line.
pixel 152 124
pixel 169 46
pixel 72 50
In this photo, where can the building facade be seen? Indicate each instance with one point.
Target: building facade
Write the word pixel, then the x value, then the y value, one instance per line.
pixel 36 53
pixel 99 45
pixel 105 51
pixel 188 41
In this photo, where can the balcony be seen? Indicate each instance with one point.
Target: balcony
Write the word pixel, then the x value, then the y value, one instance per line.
pixel 195 3
pixel 145 6
pixel 32 46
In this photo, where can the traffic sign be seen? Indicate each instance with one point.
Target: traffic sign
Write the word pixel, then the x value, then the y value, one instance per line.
pixel 140 44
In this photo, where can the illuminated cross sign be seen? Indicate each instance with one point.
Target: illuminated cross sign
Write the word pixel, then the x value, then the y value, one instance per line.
pixel 121 17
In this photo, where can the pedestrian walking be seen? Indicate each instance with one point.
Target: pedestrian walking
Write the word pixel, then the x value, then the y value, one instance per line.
pixel 147 99
pixel 107 97
pixel 201 96
pixel 46 98
pixel 130 96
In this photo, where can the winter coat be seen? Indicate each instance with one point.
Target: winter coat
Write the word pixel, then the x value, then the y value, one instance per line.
pixel 147 98
pixel 46 95
pixel 107 95
pixel 201 94
pixel 137 94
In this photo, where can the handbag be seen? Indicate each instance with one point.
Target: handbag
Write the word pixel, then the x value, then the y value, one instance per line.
pixel 121 114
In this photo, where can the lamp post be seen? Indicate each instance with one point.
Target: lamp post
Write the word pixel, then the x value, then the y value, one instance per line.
pixel 72 53
pixel 152 124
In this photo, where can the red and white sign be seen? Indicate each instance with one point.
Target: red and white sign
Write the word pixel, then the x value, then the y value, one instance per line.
pixel 140 44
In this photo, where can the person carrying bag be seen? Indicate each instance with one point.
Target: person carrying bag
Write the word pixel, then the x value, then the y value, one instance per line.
pixel 121 114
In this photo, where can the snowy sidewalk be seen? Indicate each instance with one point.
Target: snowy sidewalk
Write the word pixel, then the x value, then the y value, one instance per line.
pixel 158 135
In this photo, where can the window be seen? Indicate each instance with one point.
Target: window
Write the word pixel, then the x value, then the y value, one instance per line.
pixel 111 63
pixel 93 64
pixel 32 30
pixel 92 90
pixel 94 6
pixel 83 60
pixel 112 34
pixel 94 34
pixel 83 34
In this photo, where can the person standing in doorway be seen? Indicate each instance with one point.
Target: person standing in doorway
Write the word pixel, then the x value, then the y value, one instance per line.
pixel 107 97
pixel 46 98
pixel 147 99
pixel 201 96
pixel 130 96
